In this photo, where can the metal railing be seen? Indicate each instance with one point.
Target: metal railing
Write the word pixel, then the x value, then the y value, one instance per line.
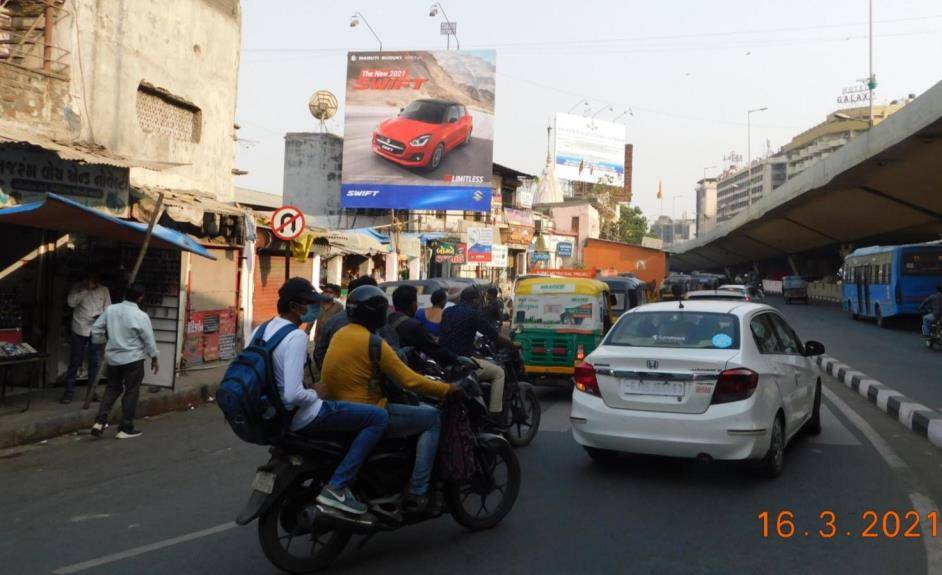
pixel 27 35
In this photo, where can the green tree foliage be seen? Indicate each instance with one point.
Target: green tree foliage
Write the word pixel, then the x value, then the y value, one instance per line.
pixel 632 226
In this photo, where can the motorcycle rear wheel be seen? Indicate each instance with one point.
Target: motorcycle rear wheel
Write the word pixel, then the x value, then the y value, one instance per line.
pixel 289 546
pixel 498 486
pixel 524 418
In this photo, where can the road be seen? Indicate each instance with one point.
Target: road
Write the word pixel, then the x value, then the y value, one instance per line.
pixel 895 355
pixel 361 164
pixel 164 503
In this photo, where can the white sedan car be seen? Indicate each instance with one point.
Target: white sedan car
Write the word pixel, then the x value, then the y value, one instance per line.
pixel 720 380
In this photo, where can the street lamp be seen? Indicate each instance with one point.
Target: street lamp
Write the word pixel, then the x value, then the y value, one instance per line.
pixel 749 149
pixel 582 101
pixel 355 21
pixel 450 28
pixel 871 79
pixel 628 111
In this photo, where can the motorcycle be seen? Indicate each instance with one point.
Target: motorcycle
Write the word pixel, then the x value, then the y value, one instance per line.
pixel 299 535
pixel 935 335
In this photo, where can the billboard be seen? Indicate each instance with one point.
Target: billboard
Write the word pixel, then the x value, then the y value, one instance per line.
pixel 589 150
pixel 480 241
pixel 419 130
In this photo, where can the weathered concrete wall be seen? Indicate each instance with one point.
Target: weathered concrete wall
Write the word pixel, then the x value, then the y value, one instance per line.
pixel 33 98
pixel 313 165
pixel 190 49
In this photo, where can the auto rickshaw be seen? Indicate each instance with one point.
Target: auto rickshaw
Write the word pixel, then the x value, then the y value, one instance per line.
pixel 558 321
pixel 629 292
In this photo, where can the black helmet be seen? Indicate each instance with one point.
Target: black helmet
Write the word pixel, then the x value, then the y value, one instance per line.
pixel 367 305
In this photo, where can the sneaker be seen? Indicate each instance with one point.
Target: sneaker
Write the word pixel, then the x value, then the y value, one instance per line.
pixel 415 504
pixel 98 429
pixel 341 499
pixel 128 433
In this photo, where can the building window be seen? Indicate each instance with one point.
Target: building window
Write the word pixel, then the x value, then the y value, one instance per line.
pixel 574 224
pixel 159 111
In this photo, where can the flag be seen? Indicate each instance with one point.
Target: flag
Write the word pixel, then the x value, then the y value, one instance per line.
pixel 660 190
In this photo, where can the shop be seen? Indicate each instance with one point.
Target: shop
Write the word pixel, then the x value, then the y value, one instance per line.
pixel 53 242
pixel 517 236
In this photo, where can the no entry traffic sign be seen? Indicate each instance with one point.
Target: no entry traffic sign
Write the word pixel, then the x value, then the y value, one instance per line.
pixel 287 223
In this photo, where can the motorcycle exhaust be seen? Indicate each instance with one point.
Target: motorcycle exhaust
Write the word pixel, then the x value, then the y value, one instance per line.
pixel 325 518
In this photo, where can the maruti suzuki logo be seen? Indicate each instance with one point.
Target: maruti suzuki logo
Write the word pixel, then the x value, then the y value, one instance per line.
pixel 478 196
pixel 652 364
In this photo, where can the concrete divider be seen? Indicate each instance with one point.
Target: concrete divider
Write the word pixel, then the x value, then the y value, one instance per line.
pixel 825 292
pixel 772 286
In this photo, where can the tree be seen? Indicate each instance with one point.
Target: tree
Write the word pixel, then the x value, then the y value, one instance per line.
pixel 632 226
pixel 604 196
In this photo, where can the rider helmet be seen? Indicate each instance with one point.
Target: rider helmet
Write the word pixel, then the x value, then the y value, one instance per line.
pixel 367 305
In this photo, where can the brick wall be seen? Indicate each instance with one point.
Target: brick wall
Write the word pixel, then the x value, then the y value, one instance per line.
pixel 32 97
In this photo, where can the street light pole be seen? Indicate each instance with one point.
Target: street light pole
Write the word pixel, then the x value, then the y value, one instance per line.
pixel 871 82
pixel 749 149
pixel 433 11
pixel 355 21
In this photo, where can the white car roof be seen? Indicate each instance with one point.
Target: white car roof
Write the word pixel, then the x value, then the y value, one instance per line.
pixel 732 286
pixel 735 307
pixel 723 294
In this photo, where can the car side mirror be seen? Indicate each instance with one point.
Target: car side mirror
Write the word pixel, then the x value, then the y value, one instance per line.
pixel 814 348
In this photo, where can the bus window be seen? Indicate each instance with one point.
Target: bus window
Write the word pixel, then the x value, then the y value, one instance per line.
pixel 922 263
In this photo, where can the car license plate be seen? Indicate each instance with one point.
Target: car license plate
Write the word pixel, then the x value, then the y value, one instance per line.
pixel 264 481
pixel 667 388
pixel 387 148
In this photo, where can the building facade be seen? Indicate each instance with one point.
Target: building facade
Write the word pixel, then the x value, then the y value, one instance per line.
pixel 706 205
pixel 674 231
pixel 828 136
pixel 737 189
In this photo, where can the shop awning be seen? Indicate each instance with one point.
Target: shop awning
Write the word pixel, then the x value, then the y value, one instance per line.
pixel 354 242
pixel 65 215
pixel 181 205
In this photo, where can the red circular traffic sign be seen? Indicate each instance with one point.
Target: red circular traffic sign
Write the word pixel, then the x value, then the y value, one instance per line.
pixel 287 223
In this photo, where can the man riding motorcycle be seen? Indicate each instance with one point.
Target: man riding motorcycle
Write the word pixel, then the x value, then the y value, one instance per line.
pixel 412 333
pixel 347 372
pixel 460 323
pixel 339 320
pixel 934 304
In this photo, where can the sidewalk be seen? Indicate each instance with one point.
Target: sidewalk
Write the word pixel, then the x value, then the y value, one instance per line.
pixel 47 418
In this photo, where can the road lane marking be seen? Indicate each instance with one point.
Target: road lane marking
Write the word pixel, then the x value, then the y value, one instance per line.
pixel 134 552
pixel 922 503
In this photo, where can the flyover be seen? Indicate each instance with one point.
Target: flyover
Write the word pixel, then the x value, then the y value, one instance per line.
pixel 884 186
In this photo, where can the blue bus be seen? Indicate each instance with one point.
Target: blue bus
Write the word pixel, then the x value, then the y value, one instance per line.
pixel 883 281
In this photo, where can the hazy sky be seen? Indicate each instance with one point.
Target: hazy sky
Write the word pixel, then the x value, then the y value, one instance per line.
pixel 688 70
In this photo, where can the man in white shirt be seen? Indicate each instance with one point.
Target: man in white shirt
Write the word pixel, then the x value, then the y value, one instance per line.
pixel 130 340
pixel 88 300
pixel 299 303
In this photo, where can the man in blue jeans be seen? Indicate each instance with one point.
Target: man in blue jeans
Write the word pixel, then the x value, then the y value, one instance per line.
pixel 88 300
pixel 299 303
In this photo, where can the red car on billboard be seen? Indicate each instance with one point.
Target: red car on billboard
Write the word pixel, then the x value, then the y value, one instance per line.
pixel 423 132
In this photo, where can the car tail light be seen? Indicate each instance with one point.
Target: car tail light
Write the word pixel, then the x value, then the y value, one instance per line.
pixel 586 381
pixel 580 352
pixel 735 385
pixel 748 298
pixel 538 350
pixel 560 351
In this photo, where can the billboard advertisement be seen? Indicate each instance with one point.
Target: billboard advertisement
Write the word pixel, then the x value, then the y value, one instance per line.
pixel 480 241
pixel 590 150
pixel 419 130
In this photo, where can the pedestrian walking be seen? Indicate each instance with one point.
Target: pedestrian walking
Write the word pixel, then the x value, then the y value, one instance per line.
pixel 88 300
pixel 130 340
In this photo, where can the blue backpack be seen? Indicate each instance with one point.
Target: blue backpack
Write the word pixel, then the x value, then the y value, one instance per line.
pixel 248 395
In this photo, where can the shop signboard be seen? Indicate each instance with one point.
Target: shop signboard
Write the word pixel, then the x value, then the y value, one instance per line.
pixel 461 254
pixel 27 175
pixel 480 243
pixel 539 258
pixel 444 251
pixel 590 150
pixel 419 130
pixel 564 249
pixel 517 237
pixel 498 256
pixel 518 217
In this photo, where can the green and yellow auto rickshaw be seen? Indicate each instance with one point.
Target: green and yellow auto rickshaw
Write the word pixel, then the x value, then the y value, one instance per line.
pixel 558 321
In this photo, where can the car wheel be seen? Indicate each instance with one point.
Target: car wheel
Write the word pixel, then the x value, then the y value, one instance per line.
pixel 813 427
pixel 600 455
pixel 437 156
pixel 774 461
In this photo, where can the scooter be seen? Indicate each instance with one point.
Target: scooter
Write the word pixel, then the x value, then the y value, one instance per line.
pixel 298 535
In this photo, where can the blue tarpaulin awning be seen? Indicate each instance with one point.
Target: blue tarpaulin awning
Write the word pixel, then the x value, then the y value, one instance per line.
pixel 58 213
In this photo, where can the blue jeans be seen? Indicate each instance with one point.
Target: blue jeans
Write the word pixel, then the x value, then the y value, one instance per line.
pixel 927 321
pixel 81 346
pixel 343 416
pixel 424 421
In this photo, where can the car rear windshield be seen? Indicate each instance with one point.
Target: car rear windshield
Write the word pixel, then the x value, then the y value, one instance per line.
pixel 428 112
pixel 681 329
pixel 922 262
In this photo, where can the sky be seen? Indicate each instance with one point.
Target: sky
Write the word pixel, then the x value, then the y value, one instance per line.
pixel 688 70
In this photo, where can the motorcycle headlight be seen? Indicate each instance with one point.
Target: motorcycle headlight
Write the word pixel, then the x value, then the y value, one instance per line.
pixel 420 141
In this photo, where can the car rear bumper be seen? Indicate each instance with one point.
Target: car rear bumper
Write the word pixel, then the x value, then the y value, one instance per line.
pixel 730 431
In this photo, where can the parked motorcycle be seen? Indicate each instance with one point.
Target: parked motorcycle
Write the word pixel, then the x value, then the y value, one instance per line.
pixel 299 535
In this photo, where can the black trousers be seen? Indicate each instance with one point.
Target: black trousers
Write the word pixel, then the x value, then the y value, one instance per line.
pixel 125 378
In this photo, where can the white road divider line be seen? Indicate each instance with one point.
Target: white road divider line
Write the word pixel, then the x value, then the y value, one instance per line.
pixel 922 503
pixel 913 415
pixel 134 552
